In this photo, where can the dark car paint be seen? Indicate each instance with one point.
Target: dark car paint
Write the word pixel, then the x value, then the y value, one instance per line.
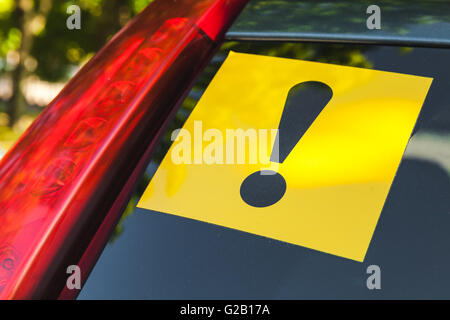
pixel 403 22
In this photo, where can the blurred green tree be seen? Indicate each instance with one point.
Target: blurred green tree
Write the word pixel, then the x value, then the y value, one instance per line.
pixel 34 39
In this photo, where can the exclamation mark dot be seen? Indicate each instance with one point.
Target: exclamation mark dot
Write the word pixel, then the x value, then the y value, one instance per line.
pixel 304 103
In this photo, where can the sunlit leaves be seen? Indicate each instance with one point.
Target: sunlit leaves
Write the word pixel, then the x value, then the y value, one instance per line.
pixel 138 5
pixel 6 7
pixel 11 41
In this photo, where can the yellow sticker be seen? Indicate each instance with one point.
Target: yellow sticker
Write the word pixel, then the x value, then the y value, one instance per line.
pixel 336 177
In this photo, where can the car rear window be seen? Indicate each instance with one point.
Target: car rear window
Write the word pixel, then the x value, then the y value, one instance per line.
pixel 158 256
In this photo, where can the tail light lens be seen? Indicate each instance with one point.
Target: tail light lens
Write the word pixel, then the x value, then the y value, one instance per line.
pixel 64 184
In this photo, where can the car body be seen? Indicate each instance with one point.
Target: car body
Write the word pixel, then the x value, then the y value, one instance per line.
pixel 151 255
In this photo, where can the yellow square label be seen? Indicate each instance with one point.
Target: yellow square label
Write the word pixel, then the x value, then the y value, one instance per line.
pixel 337 176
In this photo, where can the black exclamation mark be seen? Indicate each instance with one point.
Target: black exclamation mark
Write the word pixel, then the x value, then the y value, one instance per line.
pixel 304 103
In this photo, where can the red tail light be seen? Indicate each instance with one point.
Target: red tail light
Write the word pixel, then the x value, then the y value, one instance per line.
pixel 65 182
